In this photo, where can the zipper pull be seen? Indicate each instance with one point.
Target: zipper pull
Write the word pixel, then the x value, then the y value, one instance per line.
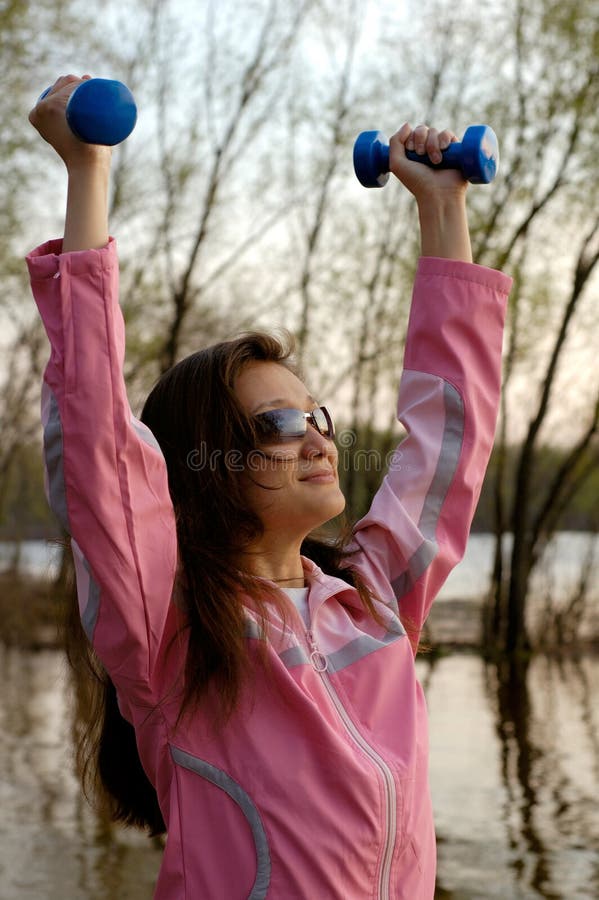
pixel 318 659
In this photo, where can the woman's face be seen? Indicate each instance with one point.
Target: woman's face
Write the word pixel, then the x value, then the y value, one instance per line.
pixel 294 486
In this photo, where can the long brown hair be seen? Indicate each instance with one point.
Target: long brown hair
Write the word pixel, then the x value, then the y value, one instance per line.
pixel 202 429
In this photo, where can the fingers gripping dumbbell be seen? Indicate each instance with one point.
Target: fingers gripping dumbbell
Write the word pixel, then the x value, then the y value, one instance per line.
pixel 100 111
pixel 477 157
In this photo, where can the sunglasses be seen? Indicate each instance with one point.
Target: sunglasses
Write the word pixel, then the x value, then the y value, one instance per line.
pixel 288 424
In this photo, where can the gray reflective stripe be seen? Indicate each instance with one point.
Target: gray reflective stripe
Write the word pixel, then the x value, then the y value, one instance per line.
pixel 144 433
pixel 393 605
pixel 89 616
pixel 417 566
pixel 362 646
pixel 451 447
pixel 447 464
pixel 53 456
pixel 223 781
pixel 294 656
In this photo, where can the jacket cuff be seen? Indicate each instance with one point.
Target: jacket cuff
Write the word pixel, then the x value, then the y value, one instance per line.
pixel 464 271
pixel 47 260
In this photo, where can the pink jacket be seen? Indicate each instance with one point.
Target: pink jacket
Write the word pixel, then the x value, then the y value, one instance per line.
pixel 317 787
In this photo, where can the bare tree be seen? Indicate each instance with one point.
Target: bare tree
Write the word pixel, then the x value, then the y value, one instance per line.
pixel 532 526
pixel 204 141
pixel 558 167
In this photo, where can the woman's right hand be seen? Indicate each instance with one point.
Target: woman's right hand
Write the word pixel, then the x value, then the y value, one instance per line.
pixel 48 116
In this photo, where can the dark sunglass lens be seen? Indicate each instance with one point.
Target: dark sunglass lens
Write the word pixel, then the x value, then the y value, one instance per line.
pixel 266 426
pixel 324 422
pixel 292 423
pixel 279 424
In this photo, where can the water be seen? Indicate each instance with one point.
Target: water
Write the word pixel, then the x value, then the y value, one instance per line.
pixel 514 776
pixel 51 845
pixel 40 558
pixel 515 779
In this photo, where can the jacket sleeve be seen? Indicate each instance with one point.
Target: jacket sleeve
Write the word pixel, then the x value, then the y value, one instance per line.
pixel 105 475
pixel 418 524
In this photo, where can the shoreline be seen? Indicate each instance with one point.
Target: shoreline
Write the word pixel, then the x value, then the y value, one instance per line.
pixel 30 612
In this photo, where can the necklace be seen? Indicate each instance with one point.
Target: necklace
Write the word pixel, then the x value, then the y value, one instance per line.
pixel 281 580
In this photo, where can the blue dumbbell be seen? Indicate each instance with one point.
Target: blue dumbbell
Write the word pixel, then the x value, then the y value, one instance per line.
pixel 477 157
pixel 100 111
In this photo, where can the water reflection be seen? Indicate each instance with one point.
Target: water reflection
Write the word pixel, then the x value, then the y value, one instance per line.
pixel 514 773
pixel 515 777
pixel 520 760
pixel 51 845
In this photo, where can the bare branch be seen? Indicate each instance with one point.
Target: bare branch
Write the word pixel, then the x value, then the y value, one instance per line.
pixel 567 482
pixel 251 82
pixel 341 108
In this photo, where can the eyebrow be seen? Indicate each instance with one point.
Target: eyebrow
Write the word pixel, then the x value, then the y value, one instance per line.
pixel 282 402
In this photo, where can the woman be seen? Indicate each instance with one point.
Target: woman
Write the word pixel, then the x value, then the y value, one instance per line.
pixel 269 677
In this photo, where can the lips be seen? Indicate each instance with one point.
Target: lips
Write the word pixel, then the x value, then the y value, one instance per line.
pixel 322 477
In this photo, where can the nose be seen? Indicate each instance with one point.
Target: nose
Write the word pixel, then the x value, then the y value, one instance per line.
pixel 316 444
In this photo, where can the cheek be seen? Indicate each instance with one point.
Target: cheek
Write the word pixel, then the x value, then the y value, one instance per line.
pixel 266 478
pixel 276 466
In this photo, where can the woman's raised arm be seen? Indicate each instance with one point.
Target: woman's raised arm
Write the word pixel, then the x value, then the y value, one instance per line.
pixel 105 473
pixel 88 168
pixel 418 524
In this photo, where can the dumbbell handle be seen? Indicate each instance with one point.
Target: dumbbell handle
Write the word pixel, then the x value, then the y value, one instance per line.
pixel 451 157
pixel 476 156
pixel 100 111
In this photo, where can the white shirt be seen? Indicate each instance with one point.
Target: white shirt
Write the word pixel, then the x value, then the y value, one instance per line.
pixel 299 596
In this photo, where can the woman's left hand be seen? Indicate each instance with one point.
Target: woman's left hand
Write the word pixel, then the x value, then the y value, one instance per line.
pixel 419 179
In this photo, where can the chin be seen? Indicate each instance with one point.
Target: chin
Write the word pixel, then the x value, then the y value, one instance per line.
pixel 331 507
pixel 297 515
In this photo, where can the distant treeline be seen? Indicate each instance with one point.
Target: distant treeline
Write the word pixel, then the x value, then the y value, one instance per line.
pixel 25 513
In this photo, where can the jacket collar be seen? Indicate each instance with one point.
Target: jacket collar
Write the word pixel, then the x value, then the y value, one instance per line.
pixel 322 587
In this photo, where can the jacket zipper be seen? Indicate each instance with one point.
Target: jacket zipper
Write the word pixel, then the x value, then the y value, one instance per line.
pixel 320 664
